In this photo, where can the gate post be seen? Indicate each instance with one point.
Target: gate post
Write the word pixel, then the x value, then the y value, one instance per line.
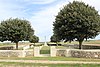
pixel 36 51
pixel 52 51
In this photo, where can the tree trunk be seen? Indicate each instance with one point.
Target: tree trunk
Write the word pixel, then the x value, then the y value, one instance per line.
pixel 80 44
pixel 56 43
pixel 17 46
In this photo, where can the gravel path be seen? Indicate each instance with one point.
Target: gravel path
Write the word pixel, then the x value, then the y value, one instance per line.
pixel 50 62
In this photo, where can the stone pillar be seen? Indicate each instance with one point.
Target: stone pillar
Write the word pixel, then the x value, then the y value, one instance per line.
pixel 24 53
pixel 68 53
pixel 36 51
pixel 52 51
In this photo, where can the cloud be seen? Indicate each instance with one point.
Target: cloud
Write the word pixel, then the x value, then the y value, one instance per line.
pixel 42 21
pixel 11 9
pixel 41 16
pixel 38 1
pixel 46 17
pixel 41 13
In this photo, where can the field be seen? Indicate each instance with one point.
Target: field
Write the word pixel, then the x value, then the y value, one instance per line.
pixel 16 64
pixel 85 42
pixel 76 42
pixel 41 43
pixel 7 44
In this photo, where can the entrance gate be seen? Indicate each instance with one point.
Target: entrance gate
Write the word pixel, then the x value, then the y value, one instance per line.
pixel 39 53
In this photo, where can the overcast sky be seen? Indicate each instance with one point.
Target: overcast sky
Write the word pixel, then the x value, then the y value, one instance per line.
pixel 40 13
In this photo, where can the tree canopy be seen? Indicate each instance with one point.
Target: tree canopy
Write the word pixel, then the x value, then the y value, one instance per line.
pixel 77 21
pixel 34 39
pixel 15 30
pixel 54 38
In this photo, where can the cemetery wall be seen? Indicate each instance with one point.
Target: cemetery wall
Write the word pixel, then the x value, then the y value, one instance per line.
pixel 78 53
pixel 16 53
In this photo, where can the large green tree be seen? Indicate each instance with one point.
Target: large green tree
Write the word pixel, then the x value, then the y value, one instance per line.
pixel 54 38
pixel 15 30
pixel 34 39
pixel 77 21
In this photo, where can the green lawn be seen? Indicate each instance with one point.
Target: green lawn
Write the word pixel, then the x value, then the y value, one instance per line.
pixel 45 50
pixel 92 42
pixel 7 44
pixel 16 64
pixel 61 47
pixel 85 42
pixel 52 59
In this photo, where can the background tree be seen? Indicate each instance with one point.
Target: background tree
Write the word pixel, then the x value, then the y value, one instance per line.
pixel 77 21
pixel 15 30
pixel 54 38
pixel 34 39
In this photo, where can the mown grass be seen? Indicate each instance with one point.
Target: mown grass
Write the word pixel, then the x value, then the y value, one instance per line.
pixel 61 47
pixel 7 44
pixel 92 42
pixel 51 59
pixel 76 42
pixel 45 50
pixel 17 64
pixel 85 42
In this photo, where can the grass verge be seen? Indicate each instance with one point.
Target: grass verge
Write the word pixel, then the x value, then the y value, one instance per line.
pixel 17 64
pixel 51 59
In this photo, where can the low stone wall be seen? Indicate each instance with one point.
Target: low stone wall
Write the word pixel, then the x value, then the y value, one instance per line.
pixel 29 53
pixel 63 52
pixel 16 53
pixel 78 53
pixel 53 53
pixel 85 53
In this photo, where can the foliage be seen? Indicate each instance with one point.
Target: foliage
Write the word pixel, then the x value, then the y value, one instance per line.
pixel 77 21
pixel 15 30
pixel 34 39
pixel 54 38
